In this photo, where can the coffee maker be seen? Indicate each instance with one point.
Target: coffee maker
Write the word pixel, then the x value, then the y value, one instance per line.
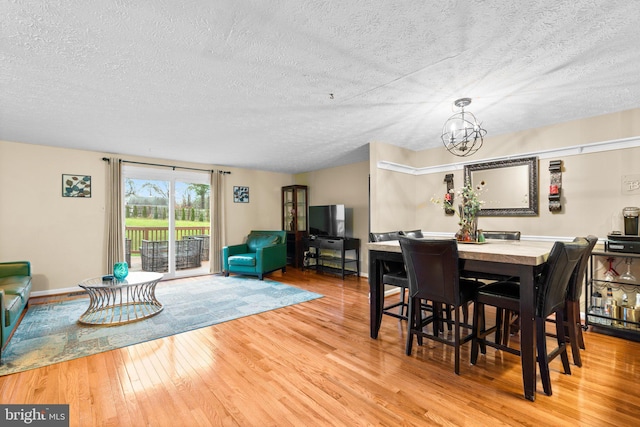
pixel 630 215
pixel 629 241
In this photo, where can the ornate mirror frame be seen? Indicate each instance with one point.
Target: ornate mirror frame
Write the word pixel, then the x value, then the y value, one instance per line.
pixel 517 179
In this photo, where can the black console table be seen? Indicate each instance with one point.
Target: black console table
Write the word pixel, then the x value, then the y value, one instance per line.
pixel 330 255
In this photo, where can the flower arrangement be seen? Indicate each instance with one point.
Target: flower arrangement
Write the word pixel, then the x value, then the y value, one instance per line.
pixel 467 210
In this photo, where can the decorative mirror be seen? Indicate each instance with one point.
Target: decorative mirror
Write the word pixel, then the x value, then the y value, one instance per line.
pixel 511 186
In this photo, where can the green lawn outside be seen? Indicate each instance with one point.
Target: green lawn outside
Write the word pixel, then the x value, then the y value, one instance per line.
pixel 149 222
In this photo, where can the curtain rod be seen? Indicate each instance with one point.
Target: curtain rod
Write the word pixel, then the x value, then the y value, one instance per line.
pixel 106 159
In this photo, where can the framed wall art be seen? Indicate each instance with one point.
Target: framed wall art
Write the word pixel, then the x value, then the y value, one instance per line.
pixel 240 194
pixel 76 185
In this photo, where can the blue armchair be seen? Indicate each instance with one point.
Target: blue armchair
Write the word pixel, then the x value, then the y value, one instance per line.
pixel 263 252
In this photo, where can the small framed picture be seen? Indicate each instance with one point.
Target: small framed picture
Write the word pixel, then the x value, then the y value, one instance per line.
pixel 76 185
pixel 240 194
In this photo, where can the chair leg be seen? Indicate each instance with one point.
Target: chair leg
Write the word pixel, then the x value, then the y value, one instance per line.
pixel 502 317
pixel 438 319
pixel 456 341
pixel 562 341
pixel 509 318
pixel 543 360
pixel 478 326
pixel 579 335
pixel 445 313
pixel 543 357
pixel 417 318
pixel 576 315
pixel 573 330
pixel 403 304
pixel 465 313
pixel 411 325
pixel 414 323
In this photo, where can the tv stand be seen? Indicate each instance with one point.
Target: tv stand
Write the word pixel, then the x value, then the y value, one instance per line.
pixel 329 255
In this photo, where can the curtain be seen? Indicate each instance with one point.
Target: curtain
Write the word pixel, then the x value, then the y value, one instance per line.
pixel 115 235
pixel 217 221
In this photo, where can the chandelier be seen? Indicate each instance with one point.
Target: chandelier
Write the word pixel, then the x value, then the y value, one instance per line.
pixel 462 135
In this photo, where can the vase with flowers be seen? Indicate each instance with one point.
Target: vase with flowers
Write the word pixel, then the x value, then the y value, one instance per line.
pixel 470 205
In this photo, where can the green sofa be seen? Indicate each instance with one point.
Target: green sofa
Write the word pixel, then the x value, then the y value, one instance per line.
pixel 15 288
pixel 263 252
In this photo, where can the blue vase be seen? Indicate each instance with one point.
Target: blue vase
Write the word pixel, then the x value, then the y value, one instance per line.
pixel 120 270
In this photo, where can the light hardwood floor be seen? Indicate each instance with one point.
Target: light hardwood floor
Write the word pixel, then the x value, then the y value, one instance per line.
pixel 314 364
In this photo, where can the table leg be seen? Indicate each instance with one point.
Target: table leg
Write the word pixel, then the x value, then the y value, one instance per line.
pixel 376 297
pixel 528 332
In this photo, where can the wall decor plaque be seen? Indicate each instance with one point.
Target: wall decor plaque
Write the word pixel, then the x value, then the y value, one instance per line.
pixel 76 185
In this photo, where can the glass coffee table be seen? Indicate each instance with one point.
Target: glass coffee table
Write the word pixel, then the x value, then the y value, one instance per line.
pixel 113 302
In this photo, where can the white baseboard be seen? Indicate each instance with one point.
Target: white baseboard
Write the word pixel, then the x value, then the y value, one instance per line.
pixel 51 292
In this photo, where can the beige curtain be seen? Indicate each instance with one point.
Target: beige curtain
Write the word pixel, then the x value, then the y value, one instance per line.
pixel 217 221
pixel 115 233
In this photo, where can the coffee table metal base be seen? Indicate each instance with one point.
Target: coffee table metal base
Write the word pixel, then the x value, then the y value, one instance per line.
pixel 113 303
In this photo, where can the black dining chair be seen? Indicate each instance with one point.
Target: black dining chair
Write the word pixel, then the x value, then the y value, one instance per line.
pixel 416 234
pixel 443 309
pixel 393 274
pixel 552 285
pixel 503 317
pixel 572 322
pixel 432 267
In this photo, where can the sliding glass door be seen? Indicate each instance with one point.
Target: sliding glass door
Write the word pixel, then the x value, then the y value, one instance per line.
pixel 167 220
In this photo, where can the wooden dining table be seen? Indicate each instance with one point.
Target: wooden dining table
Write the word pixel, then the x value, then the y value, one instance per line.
pixel 513 258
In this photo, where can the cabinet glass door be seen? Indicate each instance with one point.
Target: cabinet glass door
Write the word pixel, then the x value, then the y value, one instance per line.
pixel 289 210
pixel 301 209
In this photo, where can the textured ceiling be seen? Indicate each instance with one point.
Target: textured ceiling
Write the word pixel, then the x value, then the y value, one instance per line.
pixel 300 85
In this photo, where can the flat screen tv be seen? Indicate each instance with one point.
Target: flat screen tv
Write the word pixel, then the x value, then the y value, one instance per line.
pixel 330 221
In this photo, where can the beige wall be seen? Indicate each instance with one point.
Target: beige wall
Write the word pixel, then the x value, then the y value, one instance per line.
pixel 592 197
pixel 264 210
pixel 64 238
pixel 347 185
pixel 393 195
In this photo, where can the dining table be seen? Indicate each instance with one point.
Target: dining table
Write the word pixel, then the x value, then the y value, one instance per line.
pixel 521 258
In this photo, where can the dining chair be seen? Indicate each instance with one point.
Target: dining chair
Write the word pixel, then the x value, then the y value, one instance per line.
pixel 444 309
pixel 492 235
pixel 393 274
pixel 572 322
pixel 503 317
pixel 432 268
pixel 416 234
pixel 552 285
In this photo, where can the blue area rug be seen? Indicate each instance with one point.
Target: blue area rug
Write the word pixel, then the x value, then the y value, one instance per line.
pixel 50 333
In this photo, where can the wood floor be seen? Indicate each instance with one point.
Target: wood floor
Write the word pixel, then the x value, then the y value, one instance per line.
pixel 313 364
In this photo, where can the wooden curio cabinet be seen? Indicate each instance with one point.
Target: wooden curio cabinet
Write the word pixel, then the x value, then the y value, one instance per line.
pixel 295 208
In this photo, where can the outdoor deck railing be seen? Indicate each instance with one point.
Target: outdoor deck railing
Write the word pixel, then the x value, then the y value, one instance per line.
pixel 138 234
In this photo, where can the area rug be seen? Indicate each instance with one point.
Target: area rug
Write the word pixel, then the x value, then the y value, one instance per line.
pixel 50 333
